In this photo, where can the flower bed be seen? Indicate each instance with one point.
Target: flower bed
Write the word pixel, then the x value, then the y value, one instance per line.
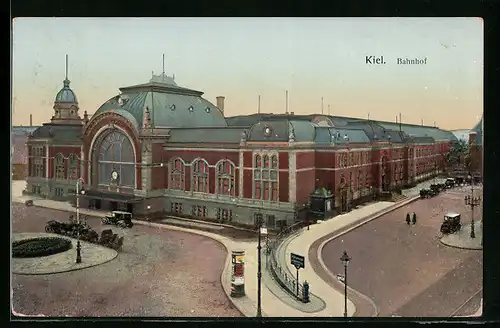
pixel 37 247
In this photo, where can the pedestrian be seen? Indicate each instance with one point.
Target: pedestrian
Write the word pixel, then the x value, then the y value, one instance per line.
pixel 414 221
pixel 408 218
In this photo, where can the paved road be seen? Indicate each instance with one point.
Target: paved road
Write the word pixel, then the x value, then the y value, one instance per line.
pixel 406 270
pixel 159 273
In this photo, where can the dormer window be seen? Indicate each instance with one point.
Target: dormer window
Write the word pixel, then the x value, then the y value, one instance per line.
pixel 207 109
pixel 191 108
pixel 172 107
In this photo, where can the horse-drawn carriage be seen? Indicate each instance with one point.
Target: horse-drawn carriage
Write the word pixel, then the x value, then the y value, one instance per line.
pixel 451 223
pixel 72 228
pixel 119 218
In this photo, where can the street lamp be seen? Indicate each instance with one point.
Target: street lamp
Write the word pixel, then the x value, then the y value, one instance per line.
pixel 148 208
pixel 472 201
pixel 78 192
pixel 345 260
pixel 262 231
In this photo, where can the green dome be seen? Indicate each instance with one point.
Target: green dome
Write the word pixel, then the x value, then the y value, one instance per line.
pixel 66 94
pixel 170 105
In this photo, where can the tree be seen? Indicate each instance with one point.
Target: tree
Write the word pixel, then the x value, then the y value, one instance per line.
pixel 458 153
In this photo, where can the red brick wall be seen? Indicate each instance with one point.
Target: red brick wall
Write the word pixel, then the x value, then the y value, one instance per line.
pixel 305 185
pixel 283 186
pixel 247 159
pixel 283 161
pixel 158 177
pixel 325 160
pixel 305 159
pixel 247 183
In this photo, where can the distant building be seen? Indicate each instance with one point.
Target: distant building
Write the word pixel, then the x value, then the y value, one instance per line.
pixel 19 158
pixel 476 148
pixel 163 146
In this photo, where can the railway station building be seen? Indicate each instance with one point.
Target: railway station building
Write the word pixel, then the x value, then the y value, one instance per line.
pixel 160 147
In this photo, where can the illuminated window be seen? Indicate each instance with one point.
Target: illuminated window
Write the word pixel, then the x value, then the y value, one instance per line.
pixel 266 178
pixel 73 167
pixel 59 167
pixel 225 178
pixel 177 175
pixel 200 176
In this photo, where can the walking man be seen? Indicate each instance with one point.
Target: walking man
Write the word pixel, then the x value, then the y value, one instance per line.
pixel 408 218
pixel 414 221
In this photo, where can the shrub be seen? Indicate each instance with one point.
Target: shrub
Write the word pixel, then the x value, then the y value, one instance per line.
pixel 37 247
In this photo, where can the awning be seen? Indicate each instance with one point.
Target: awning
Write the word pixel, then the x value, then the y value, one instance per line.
pixel 112 197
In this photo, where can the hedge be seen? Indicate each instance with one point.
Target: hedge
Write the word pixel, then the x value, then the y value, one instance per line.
pixel 37 247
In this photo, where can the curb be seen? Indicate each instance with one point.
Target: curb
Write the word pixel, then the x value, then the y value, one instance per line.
pixel 72 269
pixel 357 225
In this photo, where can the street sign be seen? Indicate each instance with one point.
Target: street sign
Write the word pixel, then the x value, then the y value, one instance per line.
pixel 297 261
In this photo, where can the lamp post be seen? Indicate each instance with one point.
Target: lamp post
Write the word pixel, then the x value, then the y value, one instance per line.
pixel 78 246
pixel 262 231
pixel 472 201
pixel 148 208
pixel 345 260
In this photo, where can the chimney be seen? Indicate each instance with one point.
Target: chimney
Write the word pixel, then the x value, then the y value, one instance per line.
pixel 286 108
pixel 258 108
pixel 399 122
pixel 31 120
pixel 422 122
pixel 292 113
pixel 220 103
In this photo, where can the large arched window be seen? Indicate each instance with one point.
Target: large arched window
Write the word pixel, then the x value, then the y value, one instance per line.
pixel 266 178
pixel 225 178
pixel 73 167
pixel 59 167
pixel 200 176
pixel 116 155
pixel 177 174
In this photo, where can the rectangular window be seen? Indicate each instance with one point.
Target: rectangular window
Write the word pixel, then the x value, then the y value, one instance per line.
pixel 351 159
pixel 258 190
pixel 270 221
pixel 266 190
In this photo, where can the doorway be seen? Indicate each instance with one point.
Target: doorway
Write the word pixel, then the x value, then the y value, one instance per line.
pixel 113 206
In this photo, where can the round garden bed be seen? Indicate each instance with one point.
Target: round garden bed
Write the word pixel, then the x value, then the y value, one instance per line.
pixel 37 247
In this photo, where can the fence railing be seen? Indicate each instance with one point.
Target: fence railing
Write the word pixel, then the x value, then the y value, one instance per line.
pixel 281 273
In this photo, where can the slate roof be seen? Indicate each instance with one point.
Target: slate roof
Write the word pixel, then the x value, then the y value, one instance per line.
pixel 206 135
pixel 59 132
pixel 280 130
pixel 461 134
pixel 170 105
pixel 340 135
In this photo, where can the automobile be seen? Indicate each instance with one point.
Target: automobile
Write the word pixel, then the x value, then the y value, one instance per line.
pixel 119 218
pixel 451 223
pixel 449 183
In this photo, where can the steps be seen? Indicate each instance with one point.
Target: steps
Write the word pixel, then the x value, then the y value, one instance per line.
pixel 397 198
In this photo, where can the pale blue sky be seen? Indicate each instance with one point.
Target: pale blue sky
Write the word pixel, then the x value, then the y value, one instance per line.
pixel 241 58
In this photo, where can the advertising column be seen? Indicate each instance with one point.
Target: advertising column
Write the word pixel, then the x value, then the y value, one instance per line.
pixel 238 274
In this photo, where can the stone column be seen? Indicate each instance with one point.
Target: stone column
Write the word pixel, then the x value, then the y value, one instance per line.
pixel 292 177
pixel 146 165
pixel 47 170
pixel 240 175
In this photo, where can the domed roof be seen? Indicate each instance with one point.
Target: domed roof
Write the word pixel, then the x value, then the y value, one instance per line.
pixel 170 105
pixel 66 95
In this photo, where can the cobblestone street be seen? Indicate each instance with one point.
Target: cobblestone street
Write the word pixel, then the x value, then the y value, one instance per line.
pixel 405 269
pixel 158 273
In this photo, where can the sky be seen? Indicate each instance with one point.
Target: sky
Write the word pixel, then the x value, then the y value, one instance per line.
pixel 242 58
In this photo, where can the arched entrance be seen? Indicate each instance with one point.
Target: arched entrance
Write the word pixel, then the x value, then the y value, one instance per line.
pixel 113 160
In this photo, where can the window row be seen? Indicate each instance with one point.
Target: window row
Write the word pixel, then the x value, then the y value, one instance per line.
pixel 265 177
pixel 355 158
pixel 224 175
pixel 60 167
